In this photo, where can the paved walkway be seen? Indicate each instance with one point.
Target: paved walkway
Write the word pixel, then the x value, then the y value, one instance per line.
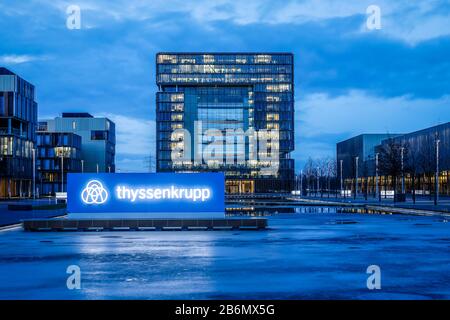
pixel 422 203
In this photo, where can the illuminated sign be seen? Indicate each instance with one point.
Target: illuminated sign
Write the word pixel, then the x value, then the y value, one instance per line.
pixel 145 195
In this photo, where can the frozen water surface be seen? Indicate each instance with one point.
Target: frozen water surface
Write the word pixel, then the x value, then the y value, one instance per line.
pixel 302 256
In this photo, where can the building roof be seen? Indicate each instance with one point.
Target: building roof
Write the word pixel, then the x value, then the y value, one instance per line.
pixel 224 53
pixel 4 71
pixel 371 135
pixel 76 115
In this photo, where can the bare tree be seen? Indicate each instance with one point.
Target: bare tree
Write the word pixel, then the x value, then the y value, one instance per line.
pixel 390 162
pixel 331 174
pixel 310 173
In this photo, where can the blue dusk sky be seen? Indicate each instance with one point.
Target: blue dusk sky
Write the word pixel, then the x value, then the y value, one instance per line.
pixel 348 79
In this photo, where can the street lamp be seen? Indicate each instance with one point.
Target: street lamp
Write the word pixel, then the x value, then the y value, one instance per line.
pixel 301 182
pixel 436 197
pixel 377 191
pixel 33 153
pixel 318 179
pixel 356 180
pixel 402 151
pixel 342 181
pixel 62 171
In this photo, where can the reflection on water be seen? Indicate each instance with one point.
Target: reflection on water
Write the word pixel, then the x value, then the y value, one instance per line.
pixel 269 210
pixel 259 211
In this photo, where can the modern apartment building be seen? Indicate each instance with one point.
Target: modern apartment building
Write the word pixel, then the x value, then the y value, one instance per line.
pixel 98 138
pixel 58 153
pixel 211 95
pixel 18 120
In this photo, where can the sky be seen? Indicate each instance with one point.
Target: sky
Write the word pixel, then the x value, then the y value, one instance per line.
pixel 349 79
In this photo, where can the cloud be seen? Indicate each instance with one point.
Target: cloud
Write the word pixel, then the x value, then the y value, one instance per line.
pixel 18 59
pixel 323 120
pixel 405 20
pixel 358 112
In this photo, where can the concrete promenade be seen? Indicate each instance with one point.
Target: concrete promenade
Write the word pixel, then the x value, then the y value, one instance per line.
pixel 422 205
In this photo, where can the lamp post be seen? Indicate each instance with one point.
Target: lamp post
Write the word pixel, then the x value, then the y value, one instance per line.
pixel 62 172
pixel 97 167
pixel 356 180
pixel 33 153
pixel 377 191
pixel 342 181
pixel 82 166
pixel 436 197
pixel 318 179
pixel 301 183
pixel 402 151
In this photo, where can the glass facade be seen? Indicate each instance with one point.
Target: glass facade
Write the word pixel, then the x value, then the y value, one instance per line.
pixel 18 120
pixel 51 147
pixel 218 93
pixel 419 161
pixel 98 138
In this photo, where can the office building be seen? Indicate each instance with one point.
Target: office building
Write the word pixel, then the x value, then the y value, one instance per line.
pixel 18 120
pixel 58 153
pixel 228 92
pixel 98 138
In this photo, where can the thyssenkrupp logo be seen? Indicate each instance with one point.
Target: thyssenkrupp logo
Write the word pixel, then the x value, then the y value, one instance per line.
pixel 94 193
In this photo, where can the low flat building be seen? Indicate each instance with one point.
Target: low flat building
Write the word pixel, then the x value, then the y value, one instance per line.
pixel 422 147
pixel 355 150
pixel 420 151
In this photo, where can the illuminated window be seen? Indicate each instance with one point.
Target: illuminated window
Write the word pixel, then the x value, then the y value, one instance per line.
pixel 278 87
pixel 177 117
pixel 273 99
pixel 263 58
pixel 165 58
pixel 177 126
pixel 208 58
pixel 271 126
pixel 177 107
pixel 177 97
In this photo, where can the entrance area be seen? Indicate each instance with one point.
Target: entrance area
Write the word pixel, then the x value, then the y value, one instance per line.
pixel 239 186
